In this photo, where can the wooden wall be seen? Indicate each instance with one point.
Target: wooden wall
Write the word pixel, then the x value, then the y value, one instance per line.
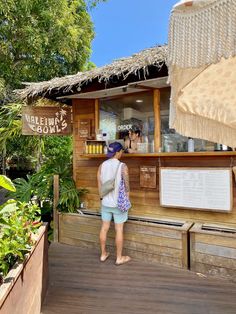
pixel 213 252
pixel 160 243
pixel 145 201
pixel 26 284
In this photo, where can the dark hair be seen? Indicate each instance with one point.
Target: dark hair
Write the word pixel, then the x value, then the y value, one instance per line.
pixel 135 130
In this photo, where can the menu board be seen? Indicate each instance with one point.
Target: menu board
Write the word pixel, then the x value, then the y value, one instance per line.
pixel 148 177
pixel 197 188
pixel 84 128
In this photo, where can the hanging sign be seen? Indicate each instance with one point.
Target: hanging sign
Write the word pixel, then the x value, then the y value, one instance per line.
pixel 148 177
pixel 46 120
pixel 84 128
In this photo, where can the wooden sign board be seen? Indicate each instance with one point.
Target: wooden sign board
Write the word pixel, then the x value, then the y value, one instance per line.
pixel 148 177
pixel 197 188
pixel 46 120
pixel 84 128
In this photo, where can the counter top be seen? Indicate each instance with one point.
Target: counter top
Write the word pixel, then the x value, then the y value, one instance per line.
pixel 173 154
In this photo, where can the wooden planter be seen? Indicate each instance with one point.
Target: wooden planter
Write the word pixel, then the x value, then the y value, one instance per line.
pixel 213 250
pixel 164 242
pixel 25 286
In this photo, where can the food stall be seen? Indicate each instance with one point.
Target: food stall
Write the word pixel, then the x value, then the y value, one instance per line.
pixel 169 172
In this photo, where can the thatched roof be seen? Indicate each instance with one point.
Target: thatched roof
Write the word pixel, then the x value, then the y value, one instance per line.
pixel 121 68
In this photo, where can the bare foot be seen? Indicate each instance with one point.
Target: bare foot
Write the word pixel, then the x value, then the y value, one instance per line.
pixel 122 260
pixel 103 258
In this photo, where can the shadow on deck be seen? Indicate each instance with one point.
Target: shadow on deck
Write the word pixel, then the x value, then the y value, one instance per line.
pixel 80 284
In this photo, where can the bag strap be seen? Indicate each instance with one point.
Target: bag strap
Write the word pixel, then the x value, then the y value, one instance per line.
pixel 117 169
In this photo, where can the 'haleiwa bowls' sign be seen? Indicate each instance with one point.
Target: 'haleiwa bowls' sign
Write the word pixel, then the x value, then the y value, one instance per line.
pixel 46 120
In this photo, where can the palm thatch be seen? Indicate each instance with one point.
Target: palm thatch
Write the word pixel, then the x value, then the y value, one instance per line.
pixel 121 68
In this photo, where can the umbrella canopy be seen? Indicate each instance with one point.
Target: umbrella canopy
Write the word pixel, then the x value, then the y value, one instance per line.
pixel 202 69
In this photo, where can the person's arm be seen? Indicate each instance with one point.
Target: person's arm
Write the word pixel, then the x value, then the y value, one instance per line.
pixel 125 174
pixel 99 179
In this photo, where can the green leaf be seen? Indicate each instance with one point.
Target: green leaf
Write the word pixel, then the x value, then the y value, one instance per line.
pixel 6 183
pixel 9 208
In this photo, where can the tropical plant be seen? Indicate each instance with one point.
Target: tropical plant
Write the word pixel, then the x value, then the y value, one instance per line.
pixel 70 196
pixel 12 143
pixel 40 186
pixel 18 221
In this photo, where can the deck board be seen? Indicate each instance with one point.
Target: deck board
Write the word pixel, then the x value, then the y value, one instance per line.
pixel 80 284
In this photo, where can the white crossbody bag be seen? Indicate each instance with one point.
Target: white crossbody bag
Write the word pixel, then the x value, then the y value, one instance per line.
pixel 109 185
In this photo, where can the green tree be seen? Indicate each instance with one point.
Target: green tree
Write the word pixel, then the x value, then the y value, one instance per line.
pixel 41 39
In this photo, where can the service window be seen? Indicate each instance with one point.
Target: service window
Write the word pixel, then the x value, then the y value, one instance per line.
pixel 130 120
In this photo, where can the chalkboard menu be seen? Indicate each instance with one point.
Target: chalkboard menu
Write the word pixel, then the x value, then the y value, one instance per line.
pixel 197 188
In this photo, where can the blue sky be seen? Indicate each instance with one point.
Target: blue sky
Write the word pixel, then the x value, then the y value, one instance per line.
pixel 124 27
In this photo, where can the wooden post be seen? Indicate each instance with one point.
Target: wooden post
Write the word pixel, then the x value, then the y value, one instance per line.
pixel 55 203
pixel 96 114
pixel 74 137
pixel 157 119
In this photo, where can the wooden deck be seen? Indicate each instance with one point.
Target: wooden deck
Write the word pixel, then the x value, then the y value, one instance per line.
pixel 80 284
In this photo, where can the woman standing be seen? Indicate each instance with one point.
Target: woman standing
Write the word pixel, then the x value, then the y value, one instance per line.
pixel 109 169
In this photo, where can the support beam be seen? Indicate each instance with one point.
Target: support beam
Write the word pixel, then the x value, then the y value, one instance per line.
pixel 55 204
pixel 157 119
pixel 96 114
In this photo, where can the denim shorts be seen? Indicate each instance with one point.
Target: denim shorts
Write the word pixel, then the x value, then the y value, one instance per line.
pixel 109 212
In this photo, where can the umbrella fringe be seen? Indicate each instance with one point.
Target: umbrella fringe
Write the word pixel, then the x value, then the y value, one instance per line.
pixel 202 35
pixel 207 129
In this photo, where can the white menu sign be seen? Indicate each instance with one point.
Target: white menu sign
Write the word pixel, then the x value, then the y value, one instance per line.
pixel 209 189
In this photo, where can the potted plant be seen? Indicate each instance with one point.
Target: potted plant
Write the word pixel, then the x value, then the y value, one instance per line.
pixel 22 250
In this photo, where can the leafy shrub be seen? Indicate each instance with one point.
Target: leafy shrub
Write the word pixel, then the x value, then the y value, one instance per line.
pixel 18 222
pixel 40 186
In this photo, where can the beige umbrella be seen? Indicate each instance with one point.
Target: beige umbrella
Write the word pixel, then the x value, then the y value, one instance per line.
pixel 202 69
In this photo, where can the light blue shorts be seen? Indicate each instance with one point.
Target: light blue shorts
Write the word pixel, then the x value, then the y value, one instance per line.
pixel 109 212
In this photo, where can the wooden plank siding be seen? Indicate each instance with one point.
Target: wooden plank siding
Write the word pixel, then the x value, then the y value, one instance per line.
pixel 213 252
pixel 157 242
pixel 25 286
pixel 145 202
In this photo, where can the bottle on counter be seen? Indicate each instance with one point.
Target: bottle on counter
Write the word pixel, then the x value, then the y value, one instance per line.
pixel 100 149
pixel 190 144
pixel 86 148
pixel 97 148
pixel 93 148
pixel 105 149
pixel 90 148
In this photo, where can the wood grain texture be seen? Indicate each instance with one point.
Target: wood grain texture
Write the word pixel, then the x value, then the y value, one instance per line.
pixel 161 243
pixel 80 284
pixel 55 204
pixel 213 252
pixel 26 284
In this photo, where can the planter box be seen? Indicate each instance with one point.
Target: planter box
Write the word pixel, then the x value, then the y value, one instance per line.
pixel 213 250
pixel 25 286
pixel 159 241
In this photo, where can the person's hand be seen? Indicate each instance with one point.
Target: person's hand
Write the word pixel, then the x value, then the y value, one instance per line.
pixel 130 150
